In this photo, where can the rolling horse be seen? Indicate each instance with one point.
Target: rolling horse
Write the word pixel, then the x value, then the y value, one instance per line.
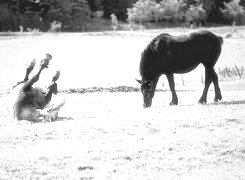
pixel 167 54
pixel 32 103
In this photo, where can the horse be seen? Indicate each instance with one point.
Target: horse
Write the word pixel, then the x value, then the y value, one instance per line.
pixel 167 54
pixel 31 103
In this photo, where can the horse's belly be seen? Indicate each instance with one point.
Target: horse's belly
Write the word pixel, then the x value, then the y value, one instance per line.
pixel 184 65
pixel 184 69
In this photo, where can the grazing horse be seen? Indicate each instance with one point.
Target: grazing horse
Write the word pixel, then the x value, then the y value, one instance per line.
pixel 167 54
pixel 31 102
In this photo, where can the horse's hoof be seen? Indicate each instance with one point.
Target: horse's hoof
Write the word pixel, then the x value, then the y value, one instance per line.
pixel 217 99
pixel 45 62
pixel 202 101
pixel 48 56
pixel 173 103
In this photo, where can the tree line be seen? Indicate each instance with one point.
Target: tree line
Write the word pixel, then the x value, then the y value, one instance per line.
pixel 74 15
pixel 188 11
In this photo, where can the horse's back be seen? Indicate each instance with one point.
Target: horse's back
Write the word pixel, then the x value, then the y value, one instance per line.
pixel 181 53
pixel 196 39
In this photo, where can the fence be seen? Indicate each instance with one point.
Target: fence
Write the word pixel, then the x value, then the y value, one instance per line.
pixel 230 73
pixel 224 74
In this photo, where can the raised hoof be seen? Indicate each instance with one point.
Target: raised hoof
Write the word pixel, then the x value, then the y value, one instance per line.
pixel 45 62
pixel 56 76
pixel 31 65
pixel 48 56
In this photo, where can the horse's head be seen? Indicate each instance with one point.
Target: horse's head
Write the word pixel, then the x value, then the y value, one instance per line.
pixel 147 89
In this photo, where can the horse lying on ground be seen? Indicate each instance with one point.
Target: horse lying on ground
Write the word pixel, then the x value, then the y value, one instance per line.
pixel 167 54
pixel 32 103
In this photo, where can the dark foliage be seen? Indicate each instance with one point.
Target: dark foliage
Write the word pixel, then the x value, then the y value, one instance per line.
pixel 117 7
pixel 72 14
pixel 76 15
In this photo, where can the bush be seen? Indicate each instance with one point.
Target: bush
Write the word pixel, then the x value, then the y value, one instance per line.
pixel 117 7
pixel 55 26
pixel 234 12
pixel 172 10
pixel 72 14
pixel 144 11
pixel 195 14
pixel 5 18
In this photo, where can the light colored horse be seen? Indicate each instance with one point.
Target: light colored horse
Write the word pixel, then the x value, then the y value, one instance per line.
pixel 32 103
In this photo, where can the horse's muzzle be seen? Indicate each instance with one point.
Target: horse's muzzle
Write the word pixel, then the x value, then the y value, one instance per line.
pixel 147 103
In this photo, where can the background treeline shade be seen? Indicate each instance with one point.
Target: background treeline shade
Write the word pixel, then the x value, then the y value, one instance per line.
pixel 188 11
pixel 80 15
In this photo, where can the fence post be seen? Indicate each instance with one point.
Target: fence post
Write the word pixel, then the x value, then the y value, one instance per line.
pixel 238 71
pixel 183 82
pixel 242 71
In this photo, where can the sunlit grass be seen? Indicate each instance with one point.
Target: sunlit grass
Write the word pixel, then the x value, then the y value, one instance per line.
pixel 105 135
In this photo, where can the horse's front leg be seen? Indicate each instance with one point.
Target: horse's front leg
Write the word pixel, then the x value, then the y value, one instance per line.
pixel 170 77
pixel 28 71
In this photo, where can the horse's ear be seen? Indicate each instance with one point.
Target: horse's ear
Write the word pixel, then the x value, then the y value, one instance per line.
pixel 139 81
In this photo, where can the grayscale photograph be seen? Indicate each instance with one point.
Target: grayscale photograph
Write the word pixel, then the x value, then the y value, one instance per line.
pixel 122 89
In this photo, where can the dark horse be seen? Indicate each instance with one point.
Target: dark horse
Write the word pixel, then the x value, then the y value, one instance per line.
pixel 167 54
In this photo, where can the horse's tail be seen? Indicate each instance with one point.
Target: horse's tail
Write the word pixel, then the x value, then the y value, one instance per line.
pixel 221 40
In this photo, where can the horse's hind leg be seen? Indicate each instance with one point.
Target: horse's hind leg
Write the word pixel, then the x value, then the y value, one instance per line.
pixel 218 95
pixel 215 55
pixel 29 69
pixel 208 80
pixel 35 78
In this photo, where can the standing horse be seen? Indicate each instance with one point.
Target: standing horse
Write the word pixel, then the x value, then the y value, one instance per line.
pixel 167 54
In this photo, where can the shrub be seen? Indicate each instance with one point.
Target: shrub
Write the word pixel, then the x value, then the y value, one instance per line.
pixel 55 26
pixel 195 14
pixel 71 13
pixel 172 10
pixel 5 18
pixel 144 11
pixel 117 7
pixel 234 12
pixel 114 22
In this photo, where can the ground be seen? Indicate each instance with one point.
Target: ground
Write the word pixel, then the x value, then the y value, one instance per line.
pixel 98 138
pixel 109 135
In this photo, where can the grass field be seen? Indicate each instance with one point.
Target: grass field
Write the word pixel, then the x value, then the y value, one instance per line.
pixel 107 135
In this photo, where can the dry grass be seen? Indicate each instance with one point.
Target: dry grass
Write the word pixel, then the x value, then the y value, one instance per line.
pixel 109 135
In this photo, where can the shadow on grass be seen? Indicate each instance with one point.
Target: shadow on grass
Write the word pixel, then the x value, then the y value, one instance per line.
pixel 229 102
pixel 63 119
pixel 112 90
